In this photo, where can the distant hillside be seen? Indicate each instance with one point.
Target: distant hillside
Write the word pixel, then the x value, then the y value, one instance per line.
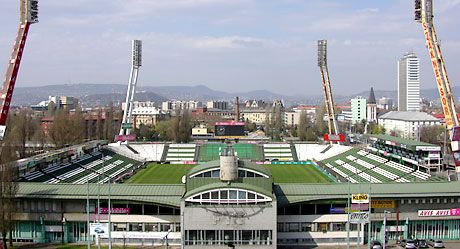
pixel 101 94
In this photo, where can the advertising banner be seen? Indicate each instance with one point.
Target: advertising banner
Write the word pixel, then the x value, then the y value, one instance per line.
pixel 434 213
pixel 104 210
pixel 98 228
pixel 382 204
pixel 360 198
pixel 359 217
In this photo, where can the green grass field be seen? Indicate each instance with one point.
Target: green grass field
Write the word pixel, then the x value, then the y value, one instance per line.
pixel 160 174
pixel 291 173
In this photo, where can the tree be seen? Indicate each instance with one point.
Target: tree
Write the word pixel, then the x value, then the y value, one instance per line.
pixel 108 124
pixel 51 108
pixel 162 128
pixel 99 125
pixel 22 127
pixel 432 134
pixel 303 126
pixel 8 187
pixel 67 129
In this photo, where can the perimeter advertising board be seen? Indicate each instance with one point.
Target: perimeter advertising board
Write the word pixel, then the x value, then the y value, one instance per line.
pixel 359 217
pixel 98 228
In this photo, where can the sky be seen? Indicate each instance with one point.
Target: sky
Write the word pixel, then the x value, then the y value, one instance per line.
pixel 229 45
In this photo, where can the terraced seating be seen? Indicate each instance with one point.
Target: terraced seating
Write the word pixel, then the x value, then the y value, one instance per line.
pixel 210 151
pixel 181 152
pixel 280 152
pixel 151 152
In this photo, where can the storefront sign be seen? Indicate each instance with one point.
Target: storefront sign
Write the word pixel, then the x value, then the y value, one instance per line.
pixel 434 213
pixel 455 211
pixel 360 198
pixel 337 210
pixel 359 217
pixel 360 206
pixel 382 204
pixel 115 210
pixel 428 148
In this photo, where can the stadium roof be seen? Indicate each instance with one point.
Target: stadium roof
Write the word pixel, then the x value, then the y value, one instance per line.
pixel 242 164
pixel 400 140
pixel 167 194
pixel 294 193
pixel 408 116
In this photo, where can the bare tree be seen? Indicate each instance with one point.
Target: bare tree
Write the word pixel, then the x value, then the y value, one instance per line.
pixel 8 187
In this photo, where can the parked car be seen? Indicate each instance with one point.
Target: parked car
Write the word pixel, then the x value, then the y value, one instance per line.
pixel 376 245
pixel 98 230
pixel 422 243
pixel 438 244
pixel 411 244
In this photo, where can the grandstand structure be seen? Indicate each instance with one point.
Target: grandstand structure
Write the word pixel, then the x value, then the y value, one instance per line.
pixel 415 153
pixel 95 167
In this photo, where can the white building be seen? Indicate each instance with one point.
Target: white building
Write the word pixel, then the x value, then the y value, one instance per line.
pixel 409 83
pixel 292 118
pixel 180 104
pixel 385 103
pixel 406 124
pixel 147 115
pixel 358 110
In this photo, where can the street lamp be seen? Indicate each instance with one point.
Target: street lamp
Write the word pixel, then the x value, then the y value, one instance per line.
pixel 166 239
pixel 385 212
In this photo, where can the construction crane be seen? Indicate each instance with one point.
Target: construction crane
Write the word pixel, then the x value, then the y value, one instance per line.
pixel 127 122
pixel 424 15
pixel 333 129
pixel 28 15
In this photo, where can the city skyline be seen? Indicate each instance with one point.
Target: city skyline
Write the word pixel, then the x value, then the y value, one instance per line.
pixel 228 45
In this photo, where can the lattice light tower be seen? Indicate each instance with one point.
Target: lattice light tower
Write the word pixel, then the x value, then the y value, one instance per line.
pixel 424 15
pixel 127 122
pixel 28 10
pixel 327 90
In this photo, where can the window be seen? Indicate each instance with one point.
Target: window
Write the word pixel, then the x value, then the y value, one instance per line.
pixel 225 196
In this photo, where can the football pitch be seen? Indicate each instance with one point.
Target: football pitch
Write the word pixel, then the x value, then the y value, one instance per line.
pixel 294 173
pixel 160 174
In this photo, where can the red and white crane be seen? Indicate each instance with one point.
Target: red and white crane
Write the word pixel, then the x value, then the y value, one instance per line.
pixel 28 16
pixel 424 15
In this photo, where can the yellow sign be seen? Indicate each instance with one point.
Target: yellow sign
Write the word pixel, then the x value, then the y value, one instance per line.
pixel 360 198
pixel 383 204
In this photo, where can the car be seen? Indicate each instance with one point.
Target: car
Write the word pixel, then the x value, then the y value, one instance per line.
pixel 422 243
pixel 376 245
pixel 438 244
pixel 98 230
pixel 411 244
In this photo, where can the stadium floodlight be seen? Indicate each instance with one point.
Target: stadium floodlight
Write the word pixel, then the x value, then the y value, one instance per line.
pixel 29 11
pixel 137 53
pixel 418 10
pixel 322 52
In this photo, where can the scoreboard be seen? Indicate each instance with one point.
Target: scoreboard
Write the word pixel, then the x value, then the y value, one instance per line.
pixel 229 129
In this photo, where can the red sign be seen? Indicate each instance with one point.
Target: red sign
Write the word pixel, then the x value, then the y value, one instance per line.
pixel 334 137
pixel 434 213
pixel 103 210
pixel 230 123
pixel 122 138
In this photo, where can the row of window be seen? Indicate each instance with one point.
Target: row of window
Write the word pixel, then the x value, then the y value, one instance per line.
pixel 146 227
pixel 228 196
pixel 242 173
pixel 314 227
pixel 222 237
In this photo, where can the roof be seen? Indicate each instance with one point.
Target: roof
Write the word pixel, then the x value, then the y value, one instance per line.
pixel 293 193
pixel 400 140
pixel 241 164
pixel 371 99
pixel 166 194
pixel 408 116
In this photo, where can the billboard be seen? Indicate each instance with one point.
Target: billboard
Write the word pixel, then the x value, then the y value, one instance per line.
pixel 382 204
pixel 122 138
pixel 360 198
pixel 229 129
pixel 359 217
pixel 98 228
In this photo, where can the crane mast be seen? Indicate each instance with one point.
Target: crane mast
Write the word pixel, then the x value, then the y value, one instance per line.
pixel 424 15
pixel 327 90
pixel 28 15
pixel 127 122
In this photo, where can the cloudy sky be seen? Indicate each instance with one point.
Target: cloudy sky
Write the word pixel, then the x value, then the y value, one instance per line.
pixel 229 45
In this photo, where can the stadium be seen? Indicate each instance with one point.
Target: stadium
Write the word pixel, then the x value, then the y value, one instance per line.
pixel 275 195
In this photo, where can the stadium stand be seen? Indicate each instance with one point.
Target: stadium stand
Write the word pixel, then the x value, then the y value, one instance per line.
pixel 361 166
pixel 151 152
pixel 319 152
pixel 122 149
pixel 181 152
pixel 279 152
pixel 245 151
pixel 95 167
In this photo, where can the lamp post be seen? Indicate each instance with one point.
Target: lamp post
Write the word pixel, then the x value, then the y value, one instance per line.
pixel 348 214
pixel 385 212
pixel 88 238
pixel 166 238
